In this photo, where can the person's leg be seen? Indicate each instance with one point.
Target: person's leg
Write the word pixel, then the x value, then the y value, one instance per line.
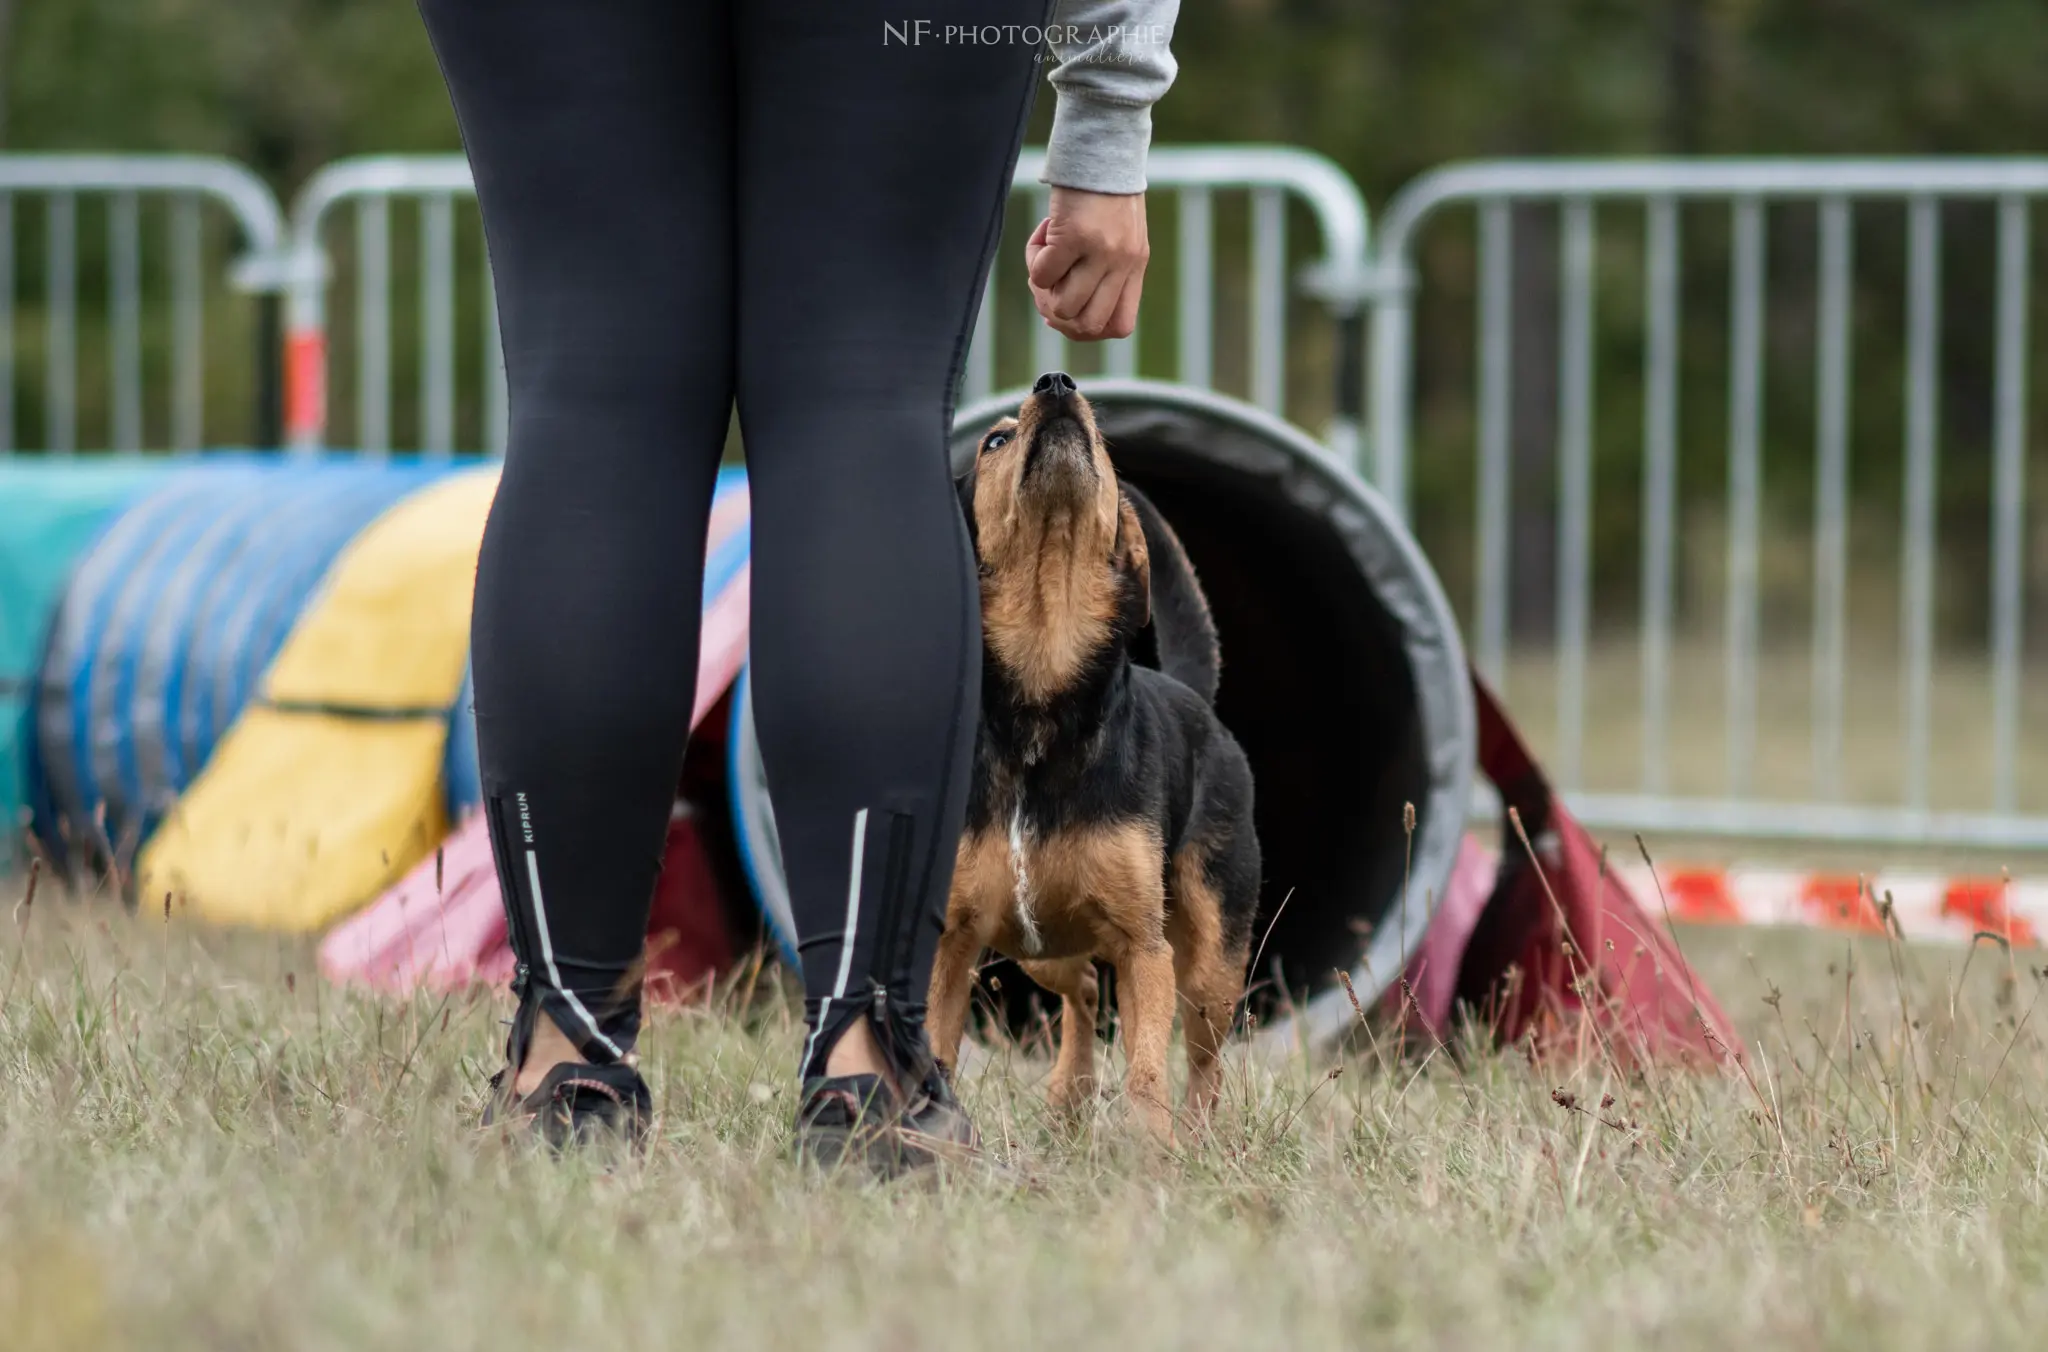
pixel 601 139
pixel 872 174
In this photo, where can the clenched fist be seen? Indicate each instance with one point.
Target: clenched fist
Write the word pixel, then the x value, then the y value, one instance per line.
pixel 1087 263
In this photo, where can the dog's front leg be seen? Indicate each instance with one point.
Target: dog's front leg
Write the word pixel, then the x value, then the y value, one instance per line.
pixel 1145 997
pixel 1073 1074
pixel 952 984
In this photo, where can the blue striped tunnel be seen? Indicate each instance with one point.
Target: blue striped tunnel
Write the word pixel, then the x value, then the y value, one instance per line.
pixel 168 622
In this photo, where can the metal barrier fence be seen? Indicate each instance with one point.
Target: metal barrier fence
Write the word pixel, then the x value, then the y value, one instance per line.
pixel 1749 189
pixel 187 184
pixel 429 186
pixel 1212 262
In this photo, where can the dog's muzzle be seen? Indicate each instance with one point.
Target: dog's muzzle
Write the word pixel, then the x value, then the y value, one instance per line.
pixel 1060 454
pixel 1061 448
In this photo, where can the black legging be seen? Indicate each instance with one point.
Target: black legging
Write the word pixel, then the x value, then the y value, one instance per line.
pixel 687 205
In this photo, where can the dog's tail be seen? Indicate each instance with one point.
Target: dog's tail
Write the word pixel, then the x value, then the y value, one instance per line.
pixel 1181 623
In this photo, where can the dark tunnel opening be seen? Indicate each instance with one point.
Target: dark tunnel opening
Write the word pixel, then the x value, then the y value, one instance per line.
pixel 1317 690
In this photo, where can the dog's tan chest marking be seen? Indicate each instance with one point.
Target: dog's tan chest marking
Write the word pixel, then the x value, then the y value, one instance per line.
pixel 1088 891
pixel 1020 901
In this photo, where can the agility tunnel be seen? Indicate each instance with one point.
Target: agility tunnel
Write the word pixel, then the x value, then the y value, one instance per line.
pixel 255 658
pixel 1343 678
pixel 167 623
pixel 244 683
pixel 334 780
pixel 50 514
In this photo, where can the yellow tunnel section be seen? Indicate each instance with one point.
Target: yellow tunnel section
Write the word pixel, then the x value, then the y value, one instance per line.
pixel 328 787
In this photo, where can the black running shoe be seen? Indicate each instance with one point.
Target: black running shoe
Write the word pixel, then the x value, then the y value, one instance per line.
pixel 857 1122
pixel 864 1122
pixel 579 1105
pixel 934 1120
pixel 848 1121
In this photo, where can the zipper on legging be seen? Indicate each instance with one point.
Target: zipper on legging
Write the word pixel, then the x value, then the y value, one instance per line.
pixel 508 885
pixel 527 1011
pixel 895 930
pixel 897 1029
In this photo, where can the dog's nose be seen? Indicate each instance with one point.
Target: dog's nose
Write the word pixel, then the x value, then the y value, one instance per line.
pixel 1058 384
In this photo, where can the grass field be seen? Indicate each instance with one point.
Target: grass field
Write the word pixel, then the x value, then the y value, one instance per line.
pixel 202 1145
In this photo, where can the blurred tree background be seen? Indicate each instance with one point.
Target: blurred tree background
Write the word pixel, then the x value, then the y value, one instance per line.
pixel 1387 88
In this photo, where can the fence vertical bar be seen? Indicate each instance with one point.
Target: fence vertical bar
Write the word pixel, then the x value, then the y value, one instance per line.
pixel 2008 500
pixel 1269 300
pixel 373 324
pixel 1197 294
pixel 124 321
pixel 1831 497
pixel 60 354
pixel 1048 345
pixel 1575 487
pixel 1660 481
pixel 272 378
pixel 437 326
pixel 188 324
pixel 1393 377
pixel 497 393
pixel 980 379
pixel 1496 372
pixel 1923 310
pixel 1745 454
pixel 6 323
pixel 1120 355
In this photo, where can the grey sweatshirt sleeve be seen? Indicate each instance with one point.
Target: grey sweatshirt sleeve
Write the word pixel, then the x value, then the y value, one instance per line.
pixel 1115 61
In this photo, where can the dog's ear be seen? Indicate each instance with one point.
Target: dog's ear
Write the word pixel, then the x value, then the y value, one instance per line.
pixel 1133 558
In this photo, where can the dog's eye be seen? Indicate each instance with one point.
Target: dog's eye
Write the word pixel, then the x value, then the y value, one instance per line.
pixel 995 441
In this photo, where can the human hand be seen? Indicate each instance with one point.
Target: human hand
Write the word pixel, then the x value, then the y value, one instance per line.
pixel 1086 261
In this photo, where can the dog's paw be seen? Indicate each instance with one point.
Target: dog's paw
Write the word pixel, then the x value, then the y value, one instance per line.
pixel 1070 1095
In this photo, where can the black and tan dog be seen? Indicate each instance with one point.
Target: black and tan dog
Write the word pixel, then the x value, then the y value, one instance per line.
pixel 1111 812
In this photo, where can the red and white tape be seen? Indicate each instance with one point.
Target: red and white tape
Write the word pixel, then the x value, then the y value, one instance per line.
pixel 1928 905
